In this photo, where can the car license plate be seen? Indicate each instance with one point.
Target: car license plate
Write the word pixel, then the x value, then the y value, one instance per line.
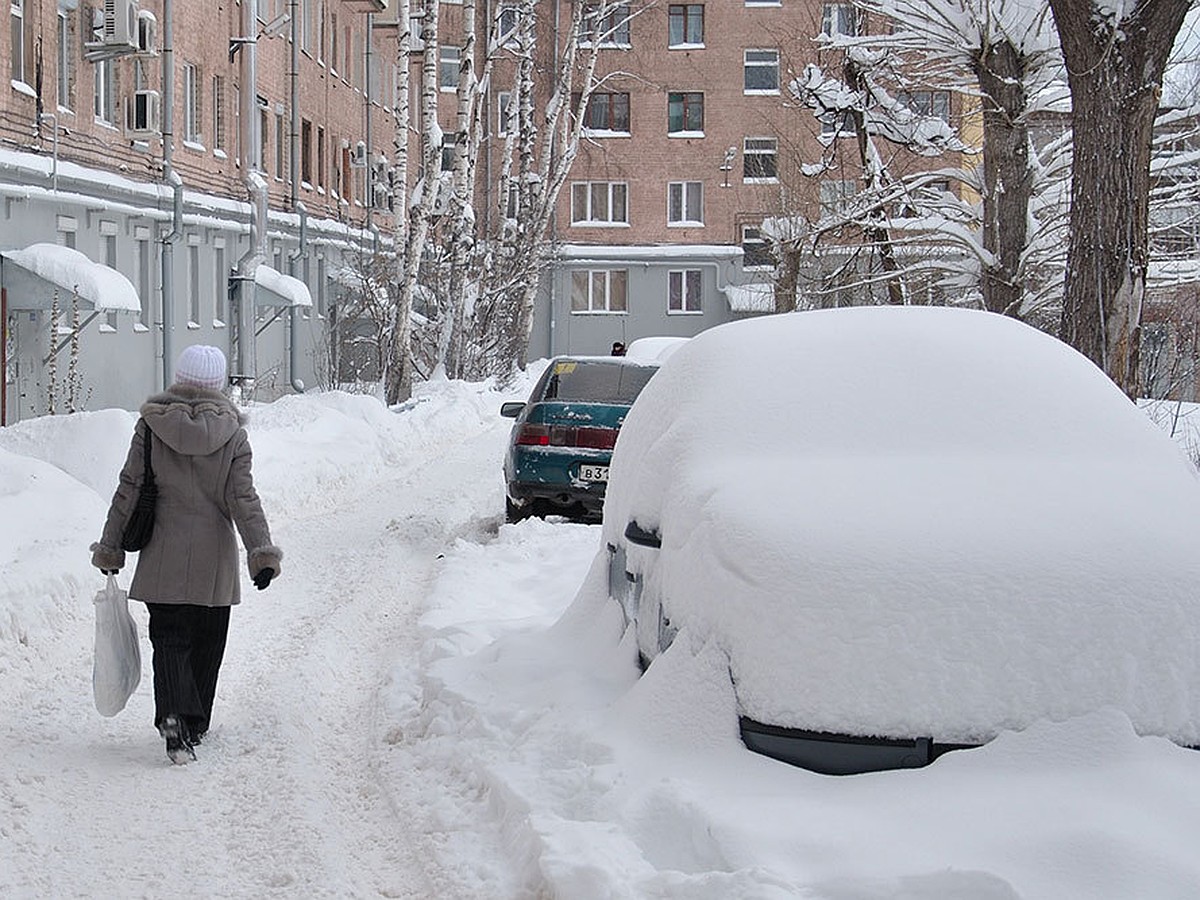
pixel 593 473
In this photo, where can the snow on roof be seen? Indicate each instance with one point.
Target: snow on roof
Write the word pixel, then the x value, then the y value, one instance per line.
pixel 756 297
pixel 666 253
pixel 293 290
pixel 104 287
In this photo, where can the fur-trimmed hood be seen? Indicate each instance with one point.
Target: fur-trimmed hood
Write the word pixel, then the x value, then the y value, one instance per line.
pixel 192 420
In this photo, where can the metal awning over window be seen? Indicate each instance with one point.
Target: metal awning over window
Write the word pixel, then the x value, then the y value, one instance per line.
pixel 276 289
pixel 31 277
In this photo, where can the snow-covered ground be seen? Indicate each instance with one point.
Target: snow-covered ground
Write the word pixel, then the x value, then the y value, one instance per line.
pixel 430 703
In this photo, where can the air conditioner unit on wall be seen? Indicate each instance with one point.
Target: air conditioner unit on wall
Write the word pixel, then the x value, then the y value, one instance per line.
pixel 121 23
pixel 143 114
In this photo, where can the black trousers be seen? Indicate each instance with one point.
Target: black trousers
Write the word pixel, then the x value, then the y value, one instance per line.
pixel 189 643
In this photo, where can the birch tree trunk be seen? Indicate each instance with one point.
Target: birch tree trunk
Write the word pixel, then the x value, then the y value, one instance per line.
pixel 400 387
pixel 462 217
pixel 398 370
pixel 1114 70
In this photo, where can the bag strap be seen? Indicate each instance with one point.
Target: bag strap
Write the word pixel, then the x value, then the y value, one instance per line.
pixel 147 443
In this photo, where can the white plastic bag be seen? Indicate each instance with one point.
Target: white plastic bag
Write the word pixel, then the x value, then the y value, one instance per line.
pixel 117 667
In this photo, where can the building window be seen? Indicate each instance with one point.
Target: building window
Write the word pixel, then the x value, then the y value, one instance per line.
pixel 685 203
pixel 333 42
pixel 835 197
pixel 759 160
pixel 66 67
pixel 264 131
pixel 599 203
pixel 306 25
pixel 18 41
pixel 838 19
pixel 932 104
pixel 506 24
pixel 756 249
pixel 763 2
pixel 104 92
pixel 191 103
pixel 145 285
pixel 685 113
pixel 306 174
pixel 281 133
pixel 761 72
pixel 836 123
pixel 218 113
pixel 320 158
pixel 449 143
pixel 321 31
pixel 193 286
pixel 448 61
pixel 599 291
pixel 220 288
pixel 685 25
pixel 605 111
pixel 110 260
pixel 610 30
pixel 683 291
pixel 503 112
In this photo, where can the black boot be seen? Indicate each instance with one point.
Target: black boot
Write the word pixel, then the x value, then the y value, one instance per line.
pixel 179 744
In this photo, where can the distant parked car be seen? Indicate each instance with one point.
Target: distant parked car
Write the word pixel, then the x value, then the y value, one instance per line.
pixel 562 440
pixel 909 529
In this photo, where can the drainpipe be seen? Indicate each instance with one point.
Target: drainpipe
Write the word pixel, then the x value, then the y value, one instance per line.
pixel 368 176
pixel 244 366
pixel 294 313
pixel 172 179
pixel 294 78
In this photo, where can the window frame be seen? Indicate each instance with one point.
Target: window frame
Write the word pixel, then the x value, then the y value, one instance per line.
pixel 686 280
pixel 65 81
pixel 592 277
pixel 756 240
pixel 748 66
pixel 684 14
pixel 688 100
pixel 619 35
pixel 760 152
pixel 836 17
pixel 449 54
pixel 192 114
pixel 588 191
pixel 685 190
pixel 614 104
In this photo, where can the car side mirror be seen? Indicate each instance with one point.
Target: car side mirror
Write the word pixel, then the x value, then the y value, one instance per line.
pixel 636 534
pixel 511 410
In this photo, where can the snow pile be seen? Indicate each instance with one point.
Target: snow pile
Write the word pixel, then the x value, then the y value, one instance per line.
pixel 432 703
pixel 103 287
pixel 291 289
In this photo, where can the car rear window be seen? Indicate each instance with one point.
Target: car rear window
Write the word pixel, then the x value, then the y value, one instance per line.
pixel 599 382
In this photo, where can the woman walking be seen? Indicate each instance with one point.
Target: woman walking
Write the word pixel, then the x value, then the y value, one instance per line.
pixel 187 574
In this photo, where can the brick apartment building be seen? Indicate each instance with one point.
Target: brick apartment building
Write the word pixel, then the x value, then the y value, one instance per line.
pixel 83 165
pixel 690 143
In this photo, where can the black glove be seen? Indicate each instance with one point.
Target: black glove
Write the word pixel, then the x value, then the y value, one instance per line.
pixel 263 577
pixel 109 571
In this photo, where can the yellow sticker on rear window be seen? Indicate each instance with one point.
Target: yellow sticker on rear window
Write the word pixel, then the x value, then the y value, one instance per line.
pixel 564 368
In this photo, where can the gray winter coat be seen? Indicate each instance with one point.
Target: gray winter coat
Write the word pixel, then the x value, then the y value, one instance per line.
pixel 200 455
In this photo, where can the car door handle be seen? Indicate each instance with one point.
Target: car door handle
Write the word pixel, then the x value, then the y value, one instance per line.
pixel 636 534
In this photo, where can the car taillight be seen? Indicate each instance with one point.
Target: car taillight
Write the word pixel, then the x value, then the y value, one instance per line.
pixel 537 435
pixel 567 436
pixel 597 438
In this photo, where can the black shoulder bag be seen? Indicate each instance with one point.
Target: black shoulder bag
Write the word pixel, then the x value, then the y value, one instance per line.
pixel 141 521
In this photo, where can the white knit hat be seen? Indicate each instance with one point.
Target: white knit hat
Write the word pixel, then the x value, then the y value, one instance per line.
pixel 201 366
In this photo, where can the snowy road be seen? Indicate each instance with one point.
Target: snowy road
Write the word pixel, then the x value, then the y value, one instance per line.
pixel 288 797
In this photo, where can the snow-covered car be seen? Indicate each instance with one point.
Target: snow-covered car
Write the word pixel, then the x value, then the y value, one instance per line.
pixel 909 529
pixel 561 442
